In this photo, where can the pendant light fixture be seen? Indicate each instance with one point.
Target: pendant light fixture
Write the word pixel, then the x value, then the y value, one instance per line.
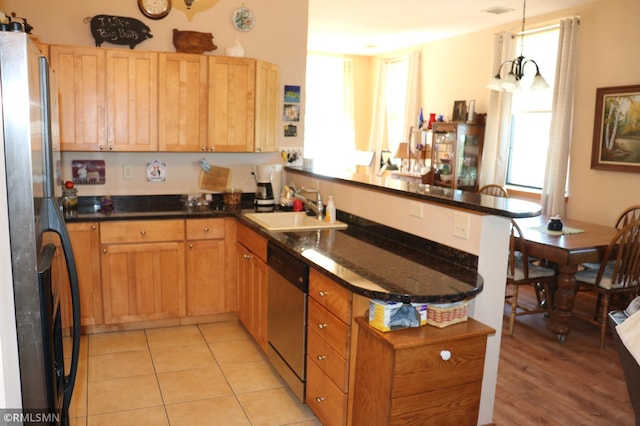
pixel 189 3
pixel 511 82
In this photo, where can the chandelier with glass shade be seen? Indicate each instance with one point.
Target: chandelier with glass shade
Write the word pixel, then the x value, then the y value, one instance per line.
pixel 511 82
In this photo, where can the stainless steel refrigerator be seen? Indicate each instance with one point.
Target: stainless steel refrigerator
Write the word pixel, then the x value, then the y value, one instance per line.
pixel 29 128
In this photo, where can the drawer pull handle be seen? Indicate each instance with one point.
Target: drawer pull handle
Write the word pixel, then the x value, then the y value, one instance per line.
pixel 190 246
pixel 93 227
pixel 445 355
pixel 323 293
pixel 321 357
pixel 321 325
pixel 319 399
pixel 206 229
pixel 142 233
pixel 104 250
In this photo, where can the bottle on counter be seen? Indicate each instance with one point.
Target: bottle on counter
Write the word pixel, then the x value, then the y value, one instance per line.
pixel 330 213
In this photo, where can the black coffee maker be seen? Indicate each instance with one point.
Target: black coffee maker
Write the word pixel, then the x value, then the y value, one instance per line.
pixel 264 201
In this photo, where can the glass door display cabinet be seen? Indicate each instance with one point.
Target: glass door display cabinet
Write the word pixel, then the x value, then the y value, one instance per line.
pixel 456 155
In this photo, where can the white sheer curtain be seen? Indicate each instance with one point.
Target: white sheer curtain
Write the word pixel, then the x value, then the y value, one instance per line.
pixel 496 138
pixel 379 140
pixel 412 104
pixel 553 190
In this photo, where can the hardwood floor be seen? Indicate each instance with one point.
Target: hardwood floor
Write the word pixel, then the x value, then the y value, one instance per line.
pixel 544 382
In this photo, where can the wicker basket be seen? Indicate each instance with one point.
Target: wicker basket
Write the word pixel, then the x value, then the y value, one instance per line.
pixel 447 314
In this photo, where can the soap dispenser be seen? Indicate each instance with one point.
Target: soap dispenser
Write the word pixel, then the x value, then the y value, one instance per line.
pixel 330 213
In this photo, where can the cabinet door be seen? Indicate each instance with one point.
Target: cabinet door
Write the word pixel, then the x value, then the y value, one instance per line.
pixel 205 277
pixel 267 102
pixel 182 102
pixel 85 241
pixel 143 281
pixel 231 104
pixel 85 245
pixel 81 92
pixel 252 294
pixel 243 277
pixel 261 293
pixel 132 100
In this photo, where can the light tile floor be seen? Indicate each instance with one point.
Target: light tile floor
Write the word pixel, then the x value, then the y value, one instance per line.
pixel 207 374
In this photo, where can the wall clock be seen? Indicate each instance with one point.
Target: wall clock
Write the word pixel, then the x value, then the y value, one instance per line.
pixel 155 9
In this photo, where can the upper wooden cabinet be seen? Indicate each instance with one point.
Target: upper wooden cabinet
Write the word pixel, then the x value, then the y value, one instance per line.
pixel 132 100
pixel 267 112
pixel 182 101
pixel 125 100
pixel 232 94
pixel 124 81
pixel 82 93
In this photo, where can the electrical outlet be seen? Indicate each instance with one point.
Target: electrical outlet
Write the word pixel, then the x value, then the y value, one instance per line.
pixel 127 172
pixel 461 225
pixel 416 209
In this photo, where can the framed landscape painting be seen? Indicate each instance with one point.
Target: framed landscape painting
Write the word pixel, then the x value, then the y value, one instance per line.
pixel 616 129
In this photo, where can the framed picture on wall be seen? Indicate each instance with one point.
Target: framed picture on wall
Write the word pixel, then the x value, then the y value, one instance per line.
pixel 616 129
pixel 459 111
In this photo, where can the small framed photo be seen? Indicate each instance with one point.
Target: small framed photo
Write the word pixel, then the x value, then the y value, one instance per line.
pixel 459 111
pixel 616 129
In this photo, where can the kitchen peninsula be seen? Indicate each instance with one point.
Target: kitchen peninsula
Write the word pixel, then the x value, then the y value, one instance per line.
pixel 433 214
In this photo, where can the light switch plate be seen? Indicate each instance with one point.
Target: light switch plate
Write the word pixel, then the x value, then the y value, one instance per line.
pixel 127 172
pixel 461 223
pixel 416 209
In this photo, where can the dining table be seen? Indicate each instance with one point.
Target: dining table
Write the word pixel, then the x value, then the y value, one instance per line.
pixel 577 243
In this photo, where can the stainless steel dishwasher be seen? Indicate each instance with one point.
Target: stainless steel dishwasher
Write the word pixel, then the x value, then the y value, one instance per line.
pixel 287 317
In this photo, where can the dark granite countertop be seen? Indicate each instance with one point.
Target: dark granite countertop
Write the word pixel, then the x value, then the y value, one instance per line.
pixel 498 206
pixel 368 258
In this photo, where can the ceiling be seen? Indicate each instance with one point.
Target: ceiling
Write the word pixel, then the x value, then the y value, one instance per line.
pixel 370 27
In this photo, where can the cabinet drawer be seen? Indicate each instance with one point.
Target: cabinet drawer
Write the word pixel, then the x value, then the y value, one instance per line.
pixel 143 231
pixel 331 329
pixel 323 397
pixel 331 295
pixel 328 360
pixel 422 369
pixel 458 405
pixel 205 229
pixel 252 240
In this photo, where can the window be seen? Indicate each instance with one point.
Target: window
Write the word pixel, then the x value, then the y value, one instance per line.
pixel 329 133
pixel 531 113
pixel 396 100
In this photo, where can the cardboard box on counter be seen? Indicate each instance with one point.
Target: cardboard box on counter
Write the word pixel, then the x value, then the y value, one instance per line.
pixel 388 316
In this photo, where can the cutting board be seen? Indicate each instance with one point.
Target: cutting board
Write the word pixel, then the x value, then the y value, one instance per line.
pixel 215 180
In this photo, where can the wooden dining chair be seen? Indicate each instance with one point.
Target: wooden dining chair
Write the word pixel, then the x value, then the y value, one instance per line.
pixel 617 275
pixel 495 190
pixel 522 271
pixel 631 214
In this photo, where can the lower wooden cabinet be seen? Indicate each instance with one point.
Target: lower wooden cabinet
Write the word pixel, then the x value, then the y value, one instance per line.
pixel 422 375
pixel 251 274
pixel 205 267
pixel 329 348
pixel 85 241
pixel 143 280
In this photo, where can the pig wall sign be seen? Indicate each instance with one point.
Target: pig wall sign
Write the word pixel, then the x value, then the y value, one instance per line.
pixel 192 41
pixel 119 30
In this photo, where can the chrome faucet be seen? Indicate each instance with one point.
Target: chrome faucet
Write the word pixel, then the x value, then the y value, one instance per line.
pixel 316 206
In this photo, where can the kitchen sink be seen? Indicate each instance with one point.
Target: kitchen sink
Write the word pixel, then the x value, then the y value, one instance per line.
pixel 291 221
